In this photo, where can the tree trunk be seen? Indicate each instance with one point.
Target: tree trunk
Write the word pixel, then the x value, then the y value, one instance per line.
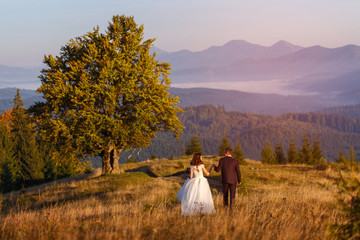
pixel 106 167
pixel 114 161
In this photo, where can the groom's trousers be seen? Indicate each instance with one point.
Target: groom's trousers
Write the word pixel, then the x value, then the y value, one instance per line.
pixel 227 187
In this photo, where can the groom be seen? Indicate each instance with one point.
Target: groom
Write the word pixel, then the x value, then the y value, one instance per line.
pixel 229 172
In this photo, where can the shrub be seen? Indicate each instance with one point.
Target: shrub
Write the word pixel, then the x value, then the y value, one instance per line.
pixel 349 204
pixel 180 164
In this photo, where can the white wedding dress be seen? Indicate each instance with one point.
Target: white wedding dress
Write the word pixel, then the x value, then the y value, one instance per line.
pixel 195 194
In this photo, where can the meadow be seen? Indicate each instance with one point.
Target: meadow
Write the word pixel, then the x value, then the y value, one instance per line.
pixel 273 202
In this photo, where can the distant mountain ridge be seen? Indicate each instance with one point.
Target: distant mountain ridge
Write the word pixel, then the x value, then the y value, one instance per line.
pixel 241 61
pixel 232 100
pixel 330 74
pixel 235 50
pixel 19 77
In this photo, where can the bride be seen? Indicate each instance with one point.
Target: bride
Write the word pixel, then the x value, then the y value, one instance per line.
pixel 195 194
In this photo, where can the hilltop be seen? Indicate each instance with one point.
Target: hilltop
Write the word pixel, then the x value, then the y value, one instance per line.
pixel 139 203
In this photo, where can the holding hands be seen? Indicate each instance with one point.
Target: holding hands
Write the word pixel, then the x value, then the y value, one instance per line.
pixel 213 165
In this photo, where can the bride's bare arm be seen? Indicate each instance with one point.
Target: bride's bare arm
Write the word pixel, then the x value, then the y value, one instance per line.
pixel 191 172
pixel 205 171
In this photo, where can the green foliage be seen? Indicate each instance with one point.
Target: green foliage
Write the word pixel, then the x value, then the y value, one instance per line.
pixel 306 152
pixel 6 157
pixel 322 164
pixel 317 152
pixel 267 154
pixel 180 164
pixel 251 130
pixel 106 93
pixel 279 154
pixel 348 164
pixel 224 144
pixel 292 153
pixel 349 203
pixel 194 146
pixel 27 164
pixel 238 153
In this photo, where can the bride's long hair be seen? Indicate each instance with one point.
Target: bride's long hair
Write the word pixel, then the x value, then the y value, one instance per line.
pixel 196 161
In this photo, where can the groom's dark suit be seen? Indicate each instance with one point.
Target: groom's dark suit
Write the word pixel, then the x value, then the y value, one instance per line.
pixel 229 171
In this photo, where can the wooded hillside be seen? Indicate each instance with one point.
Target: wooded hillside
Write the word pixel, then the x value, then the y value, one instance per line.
pixel 210 123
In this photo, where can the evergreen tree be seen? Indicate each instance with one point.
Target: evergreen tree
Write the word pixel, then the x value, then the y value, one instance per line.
pixel 292 153
pixel 6 157
pixel 27 164
pixel 279 154
pixel 194 146
pixel 53 168
pixel 239 154
pixel 224 144
pixel 306 152
pixel 106 93
pixel 267 154
pixel 317 152
pixel 341 157
pixel 346 163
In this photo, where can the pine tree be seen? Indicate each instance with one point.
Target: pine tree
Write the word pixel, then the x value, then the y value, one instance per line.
pixel 292 153
pixel 317 152
pixel 224 144
pixel 194 146
pixel 6 157
pixel 267 154
pixel 279 154
pixel 306 152
pixel 239 154
pixel 27 164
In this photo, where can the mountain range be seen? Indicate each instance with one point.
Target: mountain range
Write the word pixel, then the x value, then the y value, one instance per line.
pixel 19 77
pixel 327 75
pixel 330 73
pixel 231 100
pixel 239 60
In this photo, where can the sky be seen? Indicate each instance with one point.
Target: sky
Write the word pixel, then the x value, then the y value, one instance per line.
pixel 32 28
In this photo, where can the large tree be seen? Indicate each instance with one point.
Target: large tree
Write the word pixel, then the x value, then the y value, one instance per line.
pixel 106 93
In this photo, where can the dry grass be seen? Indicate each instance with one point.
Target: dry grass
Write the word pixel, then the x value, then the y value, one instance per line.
pixel 274 202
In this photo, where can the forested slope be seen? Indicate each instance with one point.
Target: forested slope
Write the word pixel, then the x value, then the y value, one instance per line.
pixel 210 123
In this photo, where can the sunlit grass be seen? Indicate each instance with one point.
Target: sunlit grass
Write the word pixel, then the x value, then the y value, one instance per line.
pixel 274 202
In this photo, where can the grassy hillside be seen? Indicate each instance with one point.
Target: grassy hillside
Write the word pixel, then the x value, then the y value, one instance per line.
pixel 274 202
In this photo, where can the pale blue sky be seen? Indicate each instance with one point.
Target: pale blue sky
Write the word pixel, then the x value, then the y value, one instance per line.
pixel 31 28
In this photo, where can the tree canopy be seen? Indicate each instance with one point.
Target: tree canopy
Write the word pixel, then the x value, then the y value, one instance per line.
pixel 106 93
